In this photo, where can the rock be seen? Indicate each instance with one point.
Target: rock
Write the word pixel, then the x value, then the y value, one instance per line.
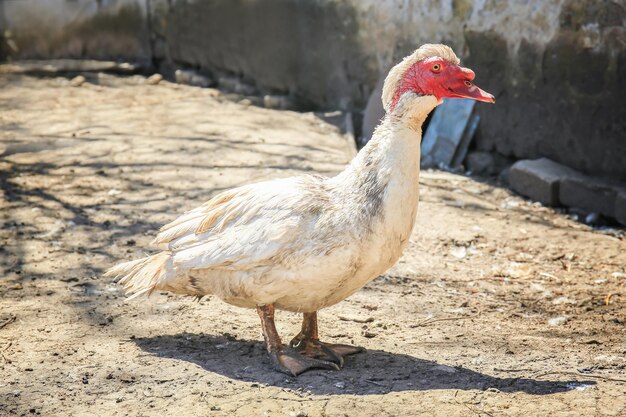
pixel 539 179
pixel 245 102
pixel 620 207
pixel 504 176
pixel 154 79
pixel 589 194
pixel 592 218
pixel 236 86
pixel 558 321
pixel 486 163
pixel 78 81
pixel 480 163
pixel 190 77
pixel 277 102
pixel 458 252
pixel 126 377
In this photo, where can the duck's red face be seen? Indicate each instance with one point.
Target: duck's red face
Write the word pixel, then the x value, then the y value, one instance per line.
pixel 440 78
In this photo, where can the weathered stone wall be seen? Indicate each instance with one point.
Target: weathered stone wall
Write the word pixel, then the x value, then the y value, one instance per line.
pixel 564 98
pixel 308 49
pixel 557 67
pixel 101 29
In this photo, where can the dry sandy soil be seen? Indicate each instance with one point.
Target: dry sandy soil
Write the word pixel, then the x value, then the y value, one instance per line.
pixel 498 307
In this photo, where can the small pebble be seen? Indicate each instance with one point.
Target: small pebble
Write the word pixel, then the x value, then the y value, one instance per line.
pixel 558 321
pixel 592 218
pixel 458 252
pixel 78 81
pixel 245 102
pixel 126 377
pixel 154 79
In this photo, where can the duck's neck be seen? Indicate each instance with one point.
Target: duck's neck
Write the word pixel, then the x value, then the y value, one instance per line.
pixel 388 166
pixel 411 111
pixel 395 144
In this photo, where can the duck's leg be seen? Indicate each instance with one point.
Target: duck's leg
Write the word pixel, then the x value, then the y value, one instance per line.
pixel 286 359
pixel 307 342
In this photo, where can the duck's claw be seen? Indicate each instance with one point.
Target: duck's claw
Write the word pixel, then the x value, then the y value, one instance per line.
pixel 343 350
pixel 313 348
pixel 290 362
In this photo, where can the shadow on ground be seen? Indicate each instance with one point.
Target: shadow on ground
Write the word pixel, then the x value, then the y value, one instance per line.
pixel 373 372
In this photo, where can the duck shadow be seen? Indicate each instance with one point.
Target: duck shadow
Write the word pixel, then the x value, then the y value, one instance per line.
pixel 372 372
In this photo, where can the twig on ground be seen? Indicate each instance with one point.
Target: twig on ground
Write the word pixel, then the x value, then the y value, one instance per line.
pixel 513 370
pixel 545 274
pixel 375 383
pixel 607 299
pixel 7 321
pixel 356 320
pixel 6 360
pixel 431 321
pixel 597 376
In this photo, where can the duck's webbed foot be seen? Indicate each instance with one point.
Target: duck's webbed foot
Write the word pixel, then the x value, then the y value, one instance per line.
pixel 309 345
pixel 284 358
pixel 330 352
pixel 290 362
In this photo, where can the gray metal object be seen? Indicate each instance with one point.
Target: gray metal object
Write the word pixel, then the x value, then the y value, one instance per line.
pixel 449 133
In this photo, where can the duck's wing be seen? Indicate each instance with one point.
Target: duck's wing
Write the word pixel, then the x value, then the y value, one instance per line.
pixel 246 227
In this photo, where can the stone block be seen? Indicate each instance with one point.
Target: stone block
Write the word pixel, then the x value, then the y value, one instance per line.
pixel 480 163
pixel 539 179
pixel 620 207
pixel 486 163
pixel 589 194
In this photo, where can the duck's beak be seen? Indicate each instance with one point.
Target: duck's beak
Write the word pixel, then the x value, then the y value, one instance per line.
pixel 462 86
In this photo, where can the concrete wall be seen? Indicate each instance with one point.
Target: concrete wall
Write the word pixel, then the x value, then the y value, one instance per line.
pixel 557 67
pixel 309 49
pixel 103 29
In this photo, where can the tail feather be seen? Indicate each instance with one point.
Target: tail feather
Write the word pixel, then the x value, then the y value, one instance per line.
pixel 143 276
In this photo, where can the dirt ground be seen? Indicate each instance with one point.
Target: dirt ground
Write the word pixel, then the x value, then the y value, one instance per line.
pixel 498 307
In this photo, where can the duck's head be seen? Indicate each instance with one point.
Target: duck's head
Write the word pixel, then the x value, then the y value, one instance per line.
pixel 432 70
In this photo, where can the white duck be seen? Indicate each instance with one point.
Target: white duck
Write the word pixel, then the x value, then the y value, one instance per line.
pixel 304 243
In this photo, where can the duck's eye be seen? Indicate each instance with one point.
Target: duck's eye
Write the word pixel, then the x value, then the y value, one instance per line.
pixel 436 67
